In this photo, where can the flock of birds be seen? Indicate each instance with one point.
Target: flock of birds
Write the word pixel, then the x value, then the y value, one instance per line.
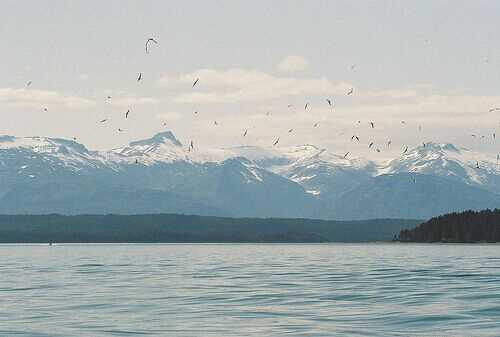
pixel 152 41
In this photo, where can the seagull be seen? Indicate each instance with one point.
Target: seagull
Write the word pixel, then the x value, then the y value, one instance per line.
pixel 403 122
pixel 276 142
pixel 191 145
pixel 389 143
pixel 45 109
pixel 378 150
pixel 139 77
pixel 108 97
pixel 305 106
pixel 373 125
pixel 345 156
pixel 103 120
pixel 126 113
pixel 406 150
pixel 494 109
pixel 267 113
pixel 245 133
pixel 355 137
pixel 148 42
pixel 215 123
pixel 370 146
pixel 290 105
pixel 74 138
pixel 494 136
pixel 195 82
pixel 120 130
pixel 196 112
pixel 329 101
pixel 315 124
pixel 28 83
pixel 137 161
pixel 477 164
pixel 350 91
pixel 290 130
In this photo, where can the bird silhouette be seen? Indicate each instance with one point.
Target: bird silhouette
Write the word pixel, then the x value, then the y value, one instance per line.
pixel 406 150
pixel 373 125
pixel 148 41
pixel 345 156
pixel 370 146
pixel 195 82
pixel 103 120
pixel 329 101
pixel 276 141
pixel 305 106
pixel 245 133
pixel 126 113
pixel 139 77
pixel 355 137
pixel 350 91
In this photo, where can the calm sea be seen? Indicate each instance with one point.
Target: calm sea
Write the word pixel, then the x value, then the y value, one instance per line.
pixel 250 290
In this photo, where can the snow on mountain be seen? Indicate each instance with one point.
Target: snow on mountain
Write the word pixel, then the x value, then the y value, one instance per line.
pixel 162 174
pixel 447 160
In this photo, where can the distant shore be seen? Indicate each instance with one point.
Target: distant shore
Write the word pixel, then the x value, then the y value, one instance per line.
pixel 172 228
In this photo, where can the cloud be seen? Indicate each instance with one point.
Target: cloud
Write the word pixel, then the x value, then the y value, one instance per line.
pixel 37 98
pixel 126 101
pixel 293 63
pixel 239 85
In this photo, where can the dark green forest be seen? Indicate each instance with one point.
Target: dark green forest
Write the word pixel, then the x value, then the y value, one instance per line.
pixel 189 228
pixel 464 227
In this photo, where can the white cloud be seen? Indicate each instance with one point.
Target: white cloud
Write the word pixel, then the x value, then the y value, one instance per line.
pixel 37 98
pixel 126 101
pixel 293 63
pixel 238 85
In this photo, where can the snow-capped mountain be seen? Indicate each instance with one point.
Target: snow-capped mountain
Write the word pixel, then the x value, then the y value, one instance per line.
pixel 160 174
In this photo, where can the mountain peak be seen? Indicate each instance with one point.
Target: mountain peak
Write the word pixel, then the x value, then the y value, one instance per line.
pixel 439 147
pixel 159 138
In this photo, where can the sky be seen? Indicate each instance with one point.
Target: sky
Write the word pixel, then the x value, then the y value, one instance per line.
pixel 421 71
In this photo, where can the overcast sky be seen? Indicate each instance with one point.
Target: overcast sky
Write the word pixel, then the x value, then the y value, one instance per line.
pixel 433 64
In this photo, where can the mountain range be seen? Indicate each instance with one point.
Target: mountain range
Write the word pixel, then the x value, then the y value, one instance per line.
pixel 161 175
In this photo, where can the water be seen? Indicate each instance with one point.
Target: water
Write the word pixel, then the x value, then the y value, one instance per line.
pixel 250 290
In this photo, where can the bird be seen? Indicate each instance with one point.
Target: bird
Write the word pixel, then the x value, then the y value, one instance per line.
pixel 267 113
pixel 120 130
pixel 290 105
pixel 423 144
pixel 215 123
pixel 289 131
pixel 148 41
pixel 196 112
pixel 137 161
pixel 350 91
pixel 29 83
pixel 370 146
pixel 315 124
pixel 477 164
pixel 494 136
pixel 353 66
pixel 276 142
pixel 74 138
pixel 373 125
pixel 355 137
pixel 191 145
pixel 164 123
pixel 403 122
pixel 305 106
pixel 329 101
pixel 126 113
pixel 345 156
pixel 195 82
pixel 494 109
pixel 245 133
pixel 389 143
pixel 139 77
pixel 108 97
pixel 103 120
pixel 406 150
pixel 45 109
pixel 378 150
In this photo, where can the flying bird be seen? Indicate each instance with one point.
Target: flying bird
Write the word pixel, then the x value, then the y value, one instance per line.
pixel 191 145
pixel 28 83
pixel 139 77
pixel 494 109
pixel 45 109
pixel 120 130
pixel 378 150
pixel 403 122
pixel 350 91
pixel 126 113
pixel 276 142
pixel 195 82
pixel 329 102
pixel 103 120
pixel 290 105
pixel 290 130
pixel 137 161
pixel 148 42
pixel 406 150
pixel 370 146
pixel 305 106
pixel 345 156
pixel 355 137
pixel 373 125
pixel 245 133
pixel 196 112
pixel 389 143
pixel 315 124
pixel 477 164
pixel 215 123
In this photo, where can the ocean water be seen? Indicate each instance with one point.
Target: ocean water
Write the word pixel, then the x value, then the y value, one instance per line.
pixel 250 290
